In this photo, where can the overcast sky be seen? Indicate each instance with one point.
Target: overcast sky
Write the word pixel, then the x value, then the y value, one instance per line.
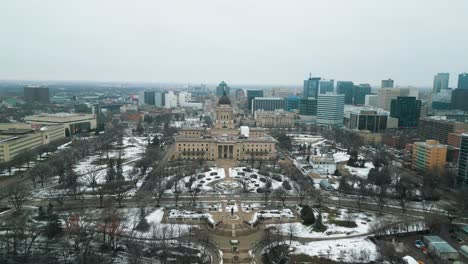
pixel 239 41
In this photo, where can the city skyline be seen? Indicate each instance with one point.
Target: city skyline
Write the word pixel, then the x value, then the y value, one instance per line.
pixel 261 42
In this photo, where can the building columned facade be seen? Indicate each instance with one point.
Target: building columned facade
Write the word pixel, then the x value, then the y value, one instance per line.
pixel 224 140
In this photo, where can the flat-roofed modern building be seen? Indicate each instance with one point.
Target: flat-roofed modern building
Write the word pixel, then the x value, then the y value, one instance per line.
pixel 462 174
pixel 311 87
pixel 17 138
pixel 308 106
pixel 387 83
pixel 73 123
pixel 268 104
pixel 330 109
pixel 439 128
pixel 428 155
pixel 371 120
pixel 38 94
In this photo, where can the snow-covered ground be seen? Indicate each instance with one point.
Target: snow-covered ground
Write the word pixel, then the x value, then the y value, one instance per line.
pixel 254 179
pixel 272 214
pixel 360 172
pixel 204 181
pixel 341 157
pixel 363 223
pixel 352 250
pixel 188 122
pixel 175 214
pixel 131 152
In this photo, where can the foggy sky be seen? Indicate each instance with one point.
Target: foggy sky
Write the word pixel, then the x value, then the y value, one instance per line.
pixel 239 41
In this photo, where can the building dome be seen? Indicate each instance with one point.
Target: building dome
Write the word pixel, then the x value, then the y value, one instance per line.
pixel 224 100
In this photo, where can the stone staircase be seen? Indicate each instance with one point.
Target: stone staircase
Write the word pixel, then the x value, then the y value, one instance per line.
pixel 242 256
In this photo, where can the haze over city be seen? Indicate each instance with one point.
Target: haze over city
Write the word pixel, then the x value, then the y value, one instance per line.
pixel 245 42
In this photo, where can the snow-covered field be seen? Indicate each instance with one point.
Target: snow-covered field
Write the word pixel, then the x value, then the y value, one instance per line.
pixel 188 122
pixel 204 180
pixel 341 157
pixel 134 147
pixel 175 214
pixel 352 250
pixel 360 172
pixel 272 214
pixel 363 223
pixel 254 179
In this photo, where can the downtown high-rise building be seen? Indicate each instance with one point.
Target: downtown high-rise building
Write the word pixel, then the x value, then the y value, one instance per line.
pixel 460 95
pixel 407 109
pixel 462 175
pixel 346 88
pixel 308 106
pixel 387 83
pixel 222 88
pixel 330 109
pixel 359 93
pixel 36 94
pixel 311 87
pixel 441 82
pixel 462 81
pixel 326 86
pixel 251 94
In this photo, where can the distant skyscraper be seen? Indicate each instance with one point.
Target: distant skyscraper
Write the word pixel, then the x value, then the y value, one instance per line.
pixel 345 88
pixel 463 160
pixel 387 83
pixel 222 87
pixel 460 99
pixel 251 94
pixel 359 93
pixel 36 94
pixel 330 109
pixel 441 82
pixel 463 81
pixel 326 86
pixel 311 87
pixel 159 99
pixel 407 110
pixel 149 97
pixel 240 94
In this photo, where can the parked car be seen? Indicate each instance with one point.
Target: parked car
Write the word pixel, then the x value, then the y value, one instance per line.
pixel 418 244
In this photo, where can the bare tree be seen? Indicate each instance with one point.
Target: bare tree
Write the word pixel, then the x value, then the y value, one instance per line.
pixel 91 178
pixel 18 195
pixel 292 230
pixel 120 193
pixel 381 196
pixel 59 197
pixel 362 191
pixel 404 191
pixel 281 194
pixel 302 189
